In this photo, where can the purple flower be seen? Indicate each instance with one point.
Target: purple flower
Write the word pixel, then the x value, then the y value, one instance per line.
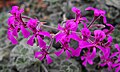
pixel 25 32
pixel 98 12
pixel 66 32
pixel 99 35
pixel 88 57
pixel 77 12
pixel 38 33
pixel 109 41
pixel 15 24
pixel 15 11
pixel 71 25
pixel 82 44
pixel 42 54
pixel 32 24
pixel 85 33
pixel 117 66
pixel 117 47
pixel 39 36
pixel 116 53
pixel 106 60
pixel 107 32
pixel 65 48
pixel 78 17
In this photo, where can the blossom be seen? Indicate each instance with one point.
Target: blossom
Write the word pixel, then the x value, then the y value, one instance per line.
pixel 66 32
pixel 98 12
pixel 32 24
pixel 78 17
pixel 109 41
pixel 77 12
pixel 116 53
pixel 15 24
pixel 99 35
pixel 15 11
pixel 65 48
pixel 88 57
pixel 39 36
pixel 38 33
pixel 71 25
pixel 85 33
pixel 82 45
pixel 106 59
pixel 42 54
pixel 107 32
pixel 117 65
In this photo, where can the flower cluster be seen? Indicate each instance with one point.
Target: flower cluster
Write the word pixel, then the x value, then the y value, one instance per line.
pixel 91 43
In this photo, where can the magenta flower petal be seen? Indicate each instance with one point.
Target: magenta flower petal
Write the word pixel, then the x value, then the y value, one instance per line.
pixel 85 33
pixel 72 50
pixel 115 64
pixel 117 47
pixel 59 36
pixel 90 8
pixel 82 57
pixel 96 12
pixel 109 65
pixel 114 54
pixel 85 19
pixel 37 54
pixel 41 57
pixel 102 49
pixel 18 13
pixel 103 64
pixel 84 44
pixel 25 32
pixel 11 20
pixel 68 54
pixel 71 25
pixel 117 69
pixel 84 63
pixel 74 36
pixel 107 32
pixel 76 10
pixel 90 61
pixel 78 14
pixel 104 20
pixel 49 59
pixel 11 38
pixel 59 52
pixel 31 40
pixel 40 41
pixel 14 9
pixel 77 52
pixel 15 32
pixel 60 27
pixel 93 53
pixel 32 24
pixel 45 33
pixel 99 35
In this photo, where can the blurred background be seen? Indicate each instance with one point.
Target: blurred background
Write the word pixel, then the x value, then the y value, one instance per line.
pixel 20 58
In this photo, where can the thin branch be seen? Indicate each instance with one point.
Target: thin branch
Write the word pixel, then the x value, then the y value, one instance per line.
pixel 51 43
pixel 45 69
pixel 93 20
